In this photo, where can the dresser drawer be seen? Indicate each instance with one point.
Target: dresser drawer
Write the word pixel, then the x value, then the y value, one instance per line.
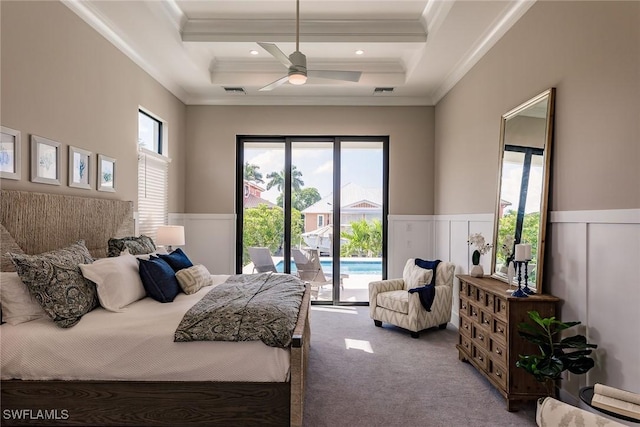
pixel 464 288
pixel 499 330
pixel 500 307
pixel 486 319
pixel 498 351
pixel 498 374
pixel 465 342
pixel 464 307
pixel 474 313
pixel 480 337
pixel 480 357
pixel 465 326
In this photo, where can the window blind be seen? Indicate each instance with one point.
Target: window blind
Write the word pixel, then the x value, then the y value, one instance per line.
pixel 153 183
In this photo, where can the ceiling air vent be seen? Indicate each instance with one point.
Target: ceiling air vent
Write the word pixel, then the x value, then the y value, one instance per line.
pixel 382 90
pixel 235 90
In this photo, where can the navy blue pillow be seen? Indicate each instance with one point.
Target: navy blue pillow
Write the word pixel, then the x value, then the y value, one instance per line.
pixel 159 279
pixel 177 260
pixel 429 265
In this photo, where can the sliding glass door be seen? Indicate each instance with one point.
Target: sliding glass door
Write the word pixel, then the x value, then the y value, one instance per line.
pixel 318 205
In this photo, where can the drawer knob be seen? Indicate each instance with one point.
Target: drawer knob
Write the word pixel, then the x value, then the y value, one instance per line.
pixel 498 351
pixel 500 330
pixel 481 337
pixel 486 322
pixel 498 374
pixel 480 358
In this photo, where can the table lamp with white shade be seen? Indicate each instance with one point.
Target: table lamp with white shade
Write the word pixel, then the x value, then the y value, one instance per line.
pixel 170 235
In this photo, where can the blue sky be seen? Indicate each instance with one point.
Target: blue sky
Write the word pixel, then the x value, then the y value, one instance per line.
pixel 359 166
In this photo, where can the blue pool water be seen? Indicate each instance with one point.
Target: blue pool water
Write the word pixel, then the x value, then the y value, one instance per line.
pixel 348 266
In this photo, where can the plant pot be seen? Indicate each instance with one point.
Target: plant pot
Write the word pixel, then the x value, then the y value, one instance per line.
pixel 476 271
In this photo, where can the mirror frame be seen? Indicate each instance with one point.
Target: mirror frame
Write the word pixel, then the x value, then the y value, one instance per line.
pixel 544 196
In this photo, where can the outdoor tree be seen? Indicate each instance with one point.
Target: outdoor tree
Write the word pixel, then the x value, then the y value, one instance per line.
pixel 264 226
pixel 530 229
pixel 276 179
pixel 251 173
pixel 364 239
pixel 301 199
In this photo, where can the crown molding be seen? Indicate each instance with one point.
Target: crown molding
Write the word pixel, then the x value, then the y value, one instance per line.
pixel 284 30
pixel 96 20
pixel 503 23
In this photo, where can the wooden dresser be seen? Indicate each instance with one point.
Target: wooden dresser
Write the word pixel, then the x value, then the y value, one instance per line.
pixel 488 335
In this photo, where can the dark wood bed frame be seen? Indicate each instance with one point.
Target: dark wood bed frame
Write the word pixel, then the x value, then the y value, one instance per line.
pixel 136 403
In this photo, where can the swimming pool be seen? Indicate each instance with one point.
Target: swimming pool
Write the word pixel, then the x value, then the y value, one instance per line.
pixel 347 266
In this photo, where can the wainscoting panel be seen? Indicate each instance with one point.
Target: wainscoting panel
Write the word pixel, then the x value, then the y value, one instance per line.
pixel 593 266
pixel 410 236
pixel 210 240
pixel 451 235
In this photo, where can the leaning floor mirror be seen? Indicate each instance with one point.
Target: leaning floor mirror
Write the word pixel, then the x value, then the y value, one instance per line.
pixel 526 135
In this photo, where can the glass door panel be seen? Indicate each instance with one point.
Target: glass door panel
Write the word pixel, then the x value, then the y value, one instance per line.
pixel 263 221
pixel 312 214
pixel 361 216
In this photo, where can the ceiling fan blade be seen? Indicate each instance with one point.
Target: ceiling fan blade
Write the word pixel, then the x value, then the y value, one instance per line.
pixel 276 53
pixel 271 86
pixel 350 76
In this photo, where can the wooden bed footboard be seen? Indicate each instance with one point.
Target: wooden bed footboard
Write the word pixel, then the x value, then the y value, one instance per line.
pixel 163 403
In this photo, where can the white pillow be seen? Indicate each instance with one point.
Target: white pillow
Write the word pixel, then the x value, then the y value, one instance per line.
pixel 17 304
pixel 415 276
pixel 117 280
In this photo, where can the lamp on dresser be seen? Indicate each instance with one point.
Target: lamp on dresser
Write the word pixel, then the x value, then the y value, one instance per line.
pixel 169 236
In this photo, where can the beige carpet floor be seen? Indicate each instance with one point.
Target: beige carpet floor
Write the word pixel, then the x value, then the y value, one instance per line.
pixel 361 375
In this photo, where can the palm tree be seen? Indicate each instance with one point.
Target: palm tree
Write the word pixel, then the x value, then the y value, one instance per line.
pixel 277 179
pixel 251 173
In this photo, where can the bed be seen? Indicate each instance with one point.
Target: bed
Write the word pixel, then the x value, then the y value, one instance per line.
pixel 35 223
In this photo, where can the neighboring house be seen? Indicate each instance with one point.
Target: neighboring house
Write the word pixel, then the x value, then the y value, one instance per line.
pixel 253 196
pixel 357 203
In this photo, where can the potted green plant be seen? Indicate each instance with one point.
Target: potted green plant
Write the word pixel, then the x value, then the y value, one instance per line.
pixel 557 354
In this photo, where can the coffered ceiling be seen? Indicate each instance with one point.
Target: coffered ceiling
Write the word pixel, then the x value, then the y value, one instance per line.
pixel 413 51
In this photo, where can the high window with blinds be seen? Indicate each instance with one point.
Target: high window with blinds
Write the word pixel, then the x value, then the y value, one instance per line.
pixel 153 175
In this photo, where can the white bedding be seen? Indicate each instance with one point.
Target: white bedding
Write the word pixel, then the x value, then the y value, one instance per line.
pixel 136 344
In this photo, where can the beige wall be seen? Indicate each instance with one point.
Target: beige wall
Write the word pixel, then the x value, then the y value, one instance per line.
pixel 63 81
pixel 589 51
pixel 211 148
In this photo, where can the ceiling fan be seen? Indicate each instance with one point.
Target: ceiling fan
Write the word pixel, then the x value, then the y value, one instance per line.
pixel 297 64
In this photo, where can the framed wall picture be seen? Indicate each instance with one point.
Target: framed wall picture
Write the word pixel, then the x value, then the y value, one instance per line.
pixel 106 173
pixel 79 168
pixel 45 160
pixel 9 153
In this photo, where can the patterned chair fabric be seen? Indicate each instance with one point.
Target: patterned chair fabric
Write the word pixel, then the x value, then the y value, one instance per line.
pixel 553 412
pixel 390 302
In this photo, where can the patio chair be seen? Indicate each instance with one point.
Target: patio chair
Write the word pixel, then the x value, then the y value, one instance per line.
pixel 310 270
pixel 262 261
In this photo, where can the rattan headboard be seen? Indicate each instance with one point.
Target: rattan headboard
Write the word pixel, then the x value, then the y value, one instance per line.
pixel 39 222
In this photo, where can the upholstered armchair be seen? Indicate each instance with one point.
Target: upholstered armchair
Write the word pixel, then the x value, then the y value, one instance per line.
pixel 390 300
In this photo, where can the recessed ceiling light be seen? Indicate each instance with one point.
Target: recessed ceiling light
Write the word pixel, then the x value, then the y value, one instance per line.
pixel 253 52
pixel 359 52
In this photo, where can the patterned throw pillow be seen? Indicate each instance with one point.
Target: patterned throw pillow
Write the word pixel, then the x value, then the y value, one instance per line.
pixel 135 245
pixel 192 279
pixel 54 279
pixel 415 276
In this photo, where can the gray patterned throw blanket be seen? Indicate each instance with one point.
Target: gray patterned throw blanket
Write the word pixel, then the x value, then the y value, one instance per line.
pixel 247 307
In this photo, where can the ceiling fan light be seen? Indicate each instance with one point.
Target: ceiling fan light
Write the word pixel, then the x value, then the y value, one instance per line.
pixel 297 78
